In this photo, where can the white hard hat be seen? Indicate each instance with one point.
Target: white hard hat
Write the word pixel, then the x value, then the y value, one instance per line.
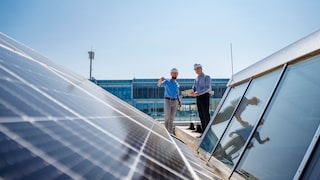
pixel 195 66
pixel 174 70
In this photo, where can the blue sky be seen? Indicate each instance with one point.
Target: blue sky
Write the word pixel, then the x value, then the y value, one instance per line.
pixel 146 38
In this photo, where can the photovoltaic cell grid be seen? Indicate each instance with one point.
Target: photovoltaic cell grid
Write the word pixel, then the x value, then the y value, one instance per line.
pixel 55 124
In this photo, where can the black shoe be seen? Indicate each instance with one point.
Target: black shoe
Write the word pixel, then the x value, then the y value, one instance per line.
pixel 191 127
pixel 199 129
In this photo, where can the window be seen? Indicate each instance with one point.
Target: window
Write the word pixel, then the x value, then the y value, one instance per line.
pixel 291 121
pixel 244 119
pixel 222 119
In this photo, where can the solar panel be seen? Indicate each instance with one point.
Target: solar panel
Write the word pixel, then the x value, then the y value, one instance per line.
pixel 55 124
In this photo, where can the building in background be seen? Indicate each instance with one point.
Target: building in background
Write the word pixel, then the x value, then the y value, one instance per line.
pixel 145 95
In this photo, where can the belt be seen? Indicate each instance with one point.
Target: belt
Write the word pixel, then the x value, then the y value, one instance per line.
pixel 203 94
pixel 171 99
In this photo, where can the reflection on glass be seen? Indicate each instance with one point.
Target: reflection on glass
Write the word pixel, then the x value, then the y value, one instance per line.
pixel 245 117
pixel 291 121
pixel 254 101
pixel 214 133
pixel 237 141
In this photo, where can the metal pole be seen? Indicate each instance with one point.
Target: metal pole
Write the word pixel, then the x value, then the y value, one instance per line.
pixel 90 69
pixel 91 57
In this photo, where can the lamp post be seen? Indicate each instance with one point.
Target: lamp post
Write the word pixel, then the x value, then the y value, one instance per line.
pixel 91 57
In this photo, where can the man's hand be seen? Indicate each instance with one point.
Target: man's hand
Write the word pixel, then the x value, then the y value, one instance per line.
pixel 160 80
pixel 179 105
pixel 194 94
pixel 232 133
pixel 241 121
pixel 265 140
pixel 244 123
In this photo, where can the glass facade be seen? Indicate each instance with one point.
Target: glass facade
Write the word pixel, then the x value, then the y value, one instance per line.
pixel 245 117
pixel 222 119
pixel 312 169
pixel 119 88
pixel 145 95
pixel 290 121
pixel 267 125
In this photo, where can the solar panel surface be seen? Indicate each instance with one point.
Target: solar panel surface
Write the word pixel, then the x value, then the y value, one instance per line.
pixel 55 124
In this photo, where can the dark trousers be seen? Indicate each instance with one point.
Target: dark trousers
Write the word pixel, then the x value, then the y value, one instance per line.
pixel 203 103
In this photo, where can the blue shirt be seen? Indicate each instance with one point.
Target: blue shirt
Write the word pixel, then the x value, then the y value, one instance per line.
pixel 202 84
pixel 171 88
pixel 245 132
